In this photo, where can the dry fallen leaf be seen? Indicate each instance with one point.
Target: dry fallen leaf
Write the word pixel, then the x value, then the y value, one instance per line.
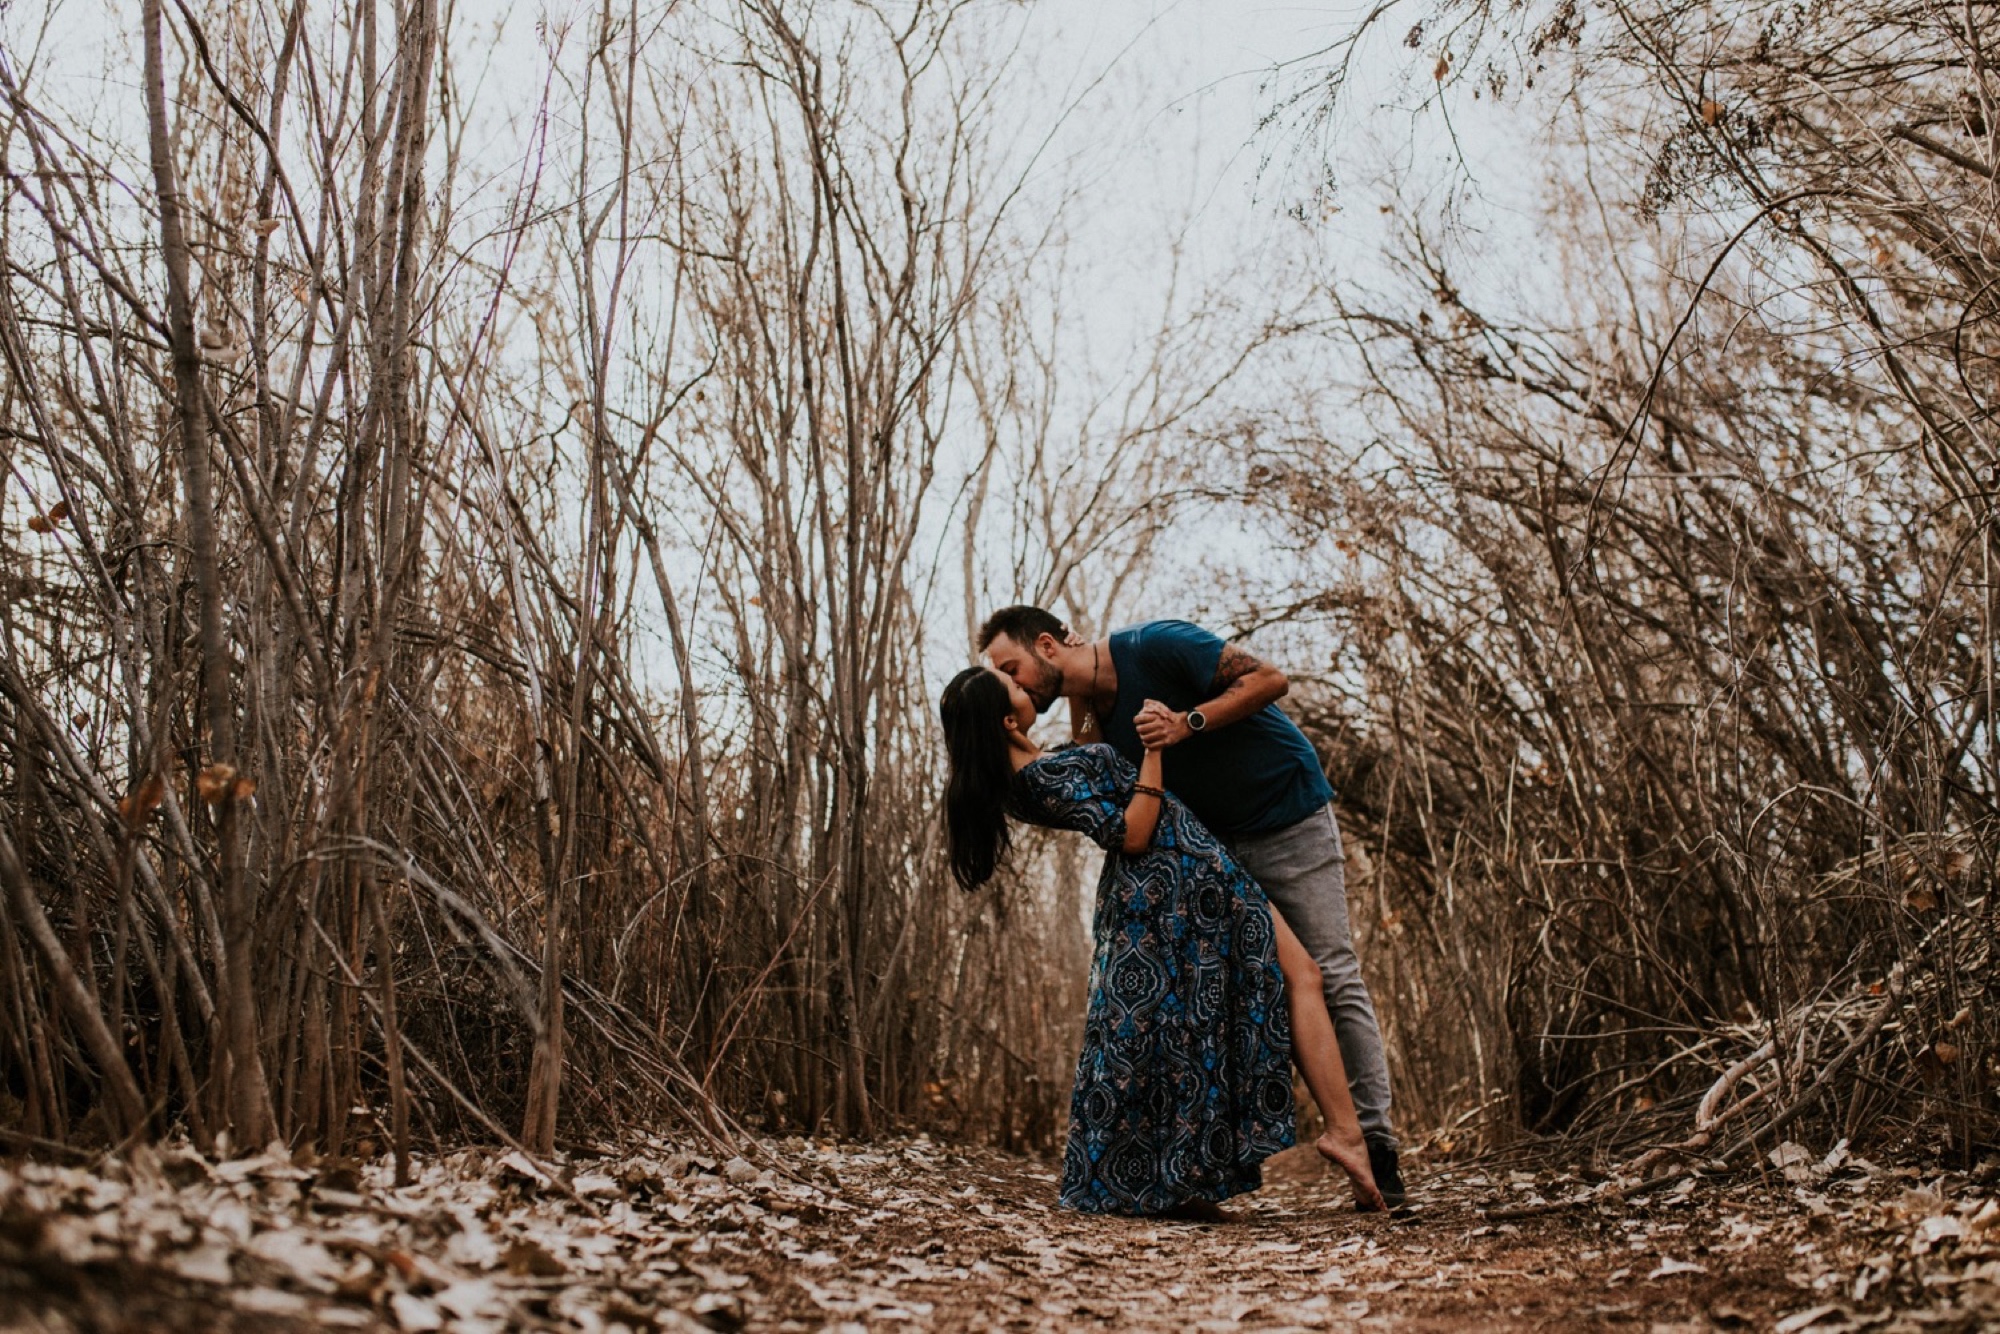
pixel 273 1302
pixel 414 1313
pixel 525 1258
pixel 470 1298
pixel 206 1263
pixel 304 1260
pixel 1937 1228
pixel 719 1310
pixel 588 1184
pixel 1793 1160
pixel 1669 1266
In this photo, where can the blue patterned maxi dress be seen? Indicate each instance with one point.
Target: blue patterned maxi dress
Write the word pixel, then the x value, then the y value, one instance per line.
pixel 1184 1084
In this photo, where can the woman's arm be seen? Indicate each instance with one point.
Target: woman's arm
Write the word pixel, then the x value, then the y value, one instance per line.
pixel 1142 813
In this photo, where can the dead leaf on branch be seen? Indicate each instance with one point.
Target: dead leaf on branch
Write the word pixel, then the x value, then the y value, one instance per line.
pixel 215 783
pixel 143 801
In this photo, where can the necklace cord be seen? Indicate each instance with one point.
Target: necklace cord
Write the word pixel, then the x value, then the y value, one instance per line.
pixel 1090 704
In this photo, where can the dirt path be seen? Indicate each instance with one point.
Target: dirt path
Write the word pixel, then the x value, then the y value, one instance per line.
pixel 990 1252
pixel 911 1236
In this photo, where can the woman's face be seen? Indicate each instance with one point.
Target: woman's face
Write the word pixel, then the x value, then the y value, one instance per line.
pixel 1020 704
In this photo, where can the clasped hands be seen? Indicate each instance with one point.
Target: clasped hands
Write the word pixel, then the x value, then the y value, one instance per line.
pixel 1159 726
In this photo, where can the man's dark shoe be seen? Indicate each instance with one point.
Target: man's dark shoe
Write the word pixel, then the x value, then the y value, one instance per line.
pixel 1388 1170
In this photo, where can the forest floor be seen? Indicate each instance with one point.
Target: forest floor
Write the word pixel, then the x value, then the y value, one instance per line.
pixel 911 1235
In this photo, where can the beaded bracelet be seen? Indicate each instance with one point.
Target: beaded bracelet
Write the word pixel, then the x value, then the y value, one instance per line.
pixel 1147 790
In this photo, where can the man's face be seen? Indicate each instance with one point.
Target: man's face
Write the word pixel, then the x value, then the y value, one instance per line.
pixel 1028 669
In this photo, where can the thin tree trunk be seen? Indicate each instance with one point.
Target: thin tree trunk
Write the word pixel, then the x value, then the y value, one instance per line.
pixel 248 1096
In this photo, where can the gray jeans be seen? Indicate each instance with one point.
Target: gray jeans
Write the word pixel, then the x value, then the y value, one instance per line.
pixel 1304 873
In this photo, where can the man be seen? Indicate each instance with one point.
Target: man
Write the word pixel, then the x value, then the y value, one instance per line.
pixel 1245 770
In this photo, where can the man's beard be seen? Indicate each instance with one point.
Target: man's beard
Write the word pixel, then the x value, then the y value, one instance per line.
pixel 1048 689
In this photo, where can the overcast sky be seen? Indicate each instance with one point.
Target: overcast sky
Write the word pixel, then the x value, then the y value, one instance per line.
pixel 1160 143
pixel 1161 139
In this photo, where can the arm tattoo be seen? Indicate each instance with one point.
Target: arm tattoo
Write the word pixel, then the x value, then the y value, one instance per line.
pixel 1235 664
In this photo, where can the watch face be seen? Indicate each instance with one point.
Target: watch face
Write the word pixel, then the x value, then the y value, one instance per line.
pixel 1196 720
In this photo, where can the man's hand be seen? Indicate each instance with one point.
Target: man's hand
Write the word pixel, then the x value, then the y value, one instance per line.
pixel 1159 726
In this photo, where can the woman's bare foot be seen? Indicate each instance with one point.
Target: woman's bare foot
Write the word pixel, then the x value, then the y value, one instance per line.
pixel 1351 1157
pixel 1208 1211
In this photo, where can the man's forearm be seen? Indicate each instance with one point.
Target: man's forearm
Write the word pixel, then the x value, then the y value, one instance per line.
pixel 1244 697
pixel 1242 685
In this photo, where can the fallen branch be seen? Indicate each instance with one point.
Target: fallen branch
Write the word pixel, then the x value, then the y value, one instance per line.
pixel 1707 1118
pixel 1736 1148
pixel 1797 1107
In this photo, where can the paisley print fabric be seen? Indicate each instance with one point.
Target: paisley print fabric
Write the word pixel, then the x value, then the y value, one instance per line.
pixel 1184 1084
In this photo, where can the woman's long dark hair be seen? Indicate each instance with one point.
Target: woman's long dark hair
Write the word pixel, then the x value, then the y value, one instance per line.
pixel 974 709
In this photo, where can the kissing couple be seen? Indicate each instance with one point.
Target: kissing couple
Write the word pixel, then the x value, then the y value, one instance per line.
pixel 1222 951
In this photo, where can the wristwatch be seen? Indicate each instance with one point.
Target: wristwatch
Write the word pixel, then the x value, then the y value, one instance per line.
pixel 1196 720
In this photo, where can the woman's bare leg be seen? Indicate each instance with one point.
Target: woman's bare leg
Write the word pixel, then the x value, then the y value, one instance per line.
pixel 1317 1053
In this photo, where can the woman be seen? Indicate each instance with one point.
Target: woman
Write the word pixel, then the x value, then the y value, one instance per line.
pixel 1199 993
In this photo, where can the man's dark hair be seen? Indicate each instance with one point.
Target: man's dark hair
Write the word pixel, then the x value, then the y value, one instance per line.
pixel 1023 625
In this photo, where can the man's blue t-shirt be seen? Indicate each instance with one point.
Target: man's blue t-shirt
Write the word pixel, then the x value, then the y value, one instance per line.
pixel 1251 777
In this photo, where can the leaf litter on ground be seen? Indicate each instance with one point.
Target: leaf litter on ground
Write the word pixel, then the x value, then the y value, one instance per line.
pixel 809 1235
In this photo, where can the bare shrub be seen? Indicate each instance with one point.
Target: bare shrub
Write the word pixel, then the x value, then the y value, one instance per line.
pixel 463 659
pixel 1669 595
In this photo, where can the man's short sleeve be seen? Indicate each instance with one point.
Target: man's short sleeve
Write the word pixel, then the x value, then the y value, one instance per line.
pixel 1184 651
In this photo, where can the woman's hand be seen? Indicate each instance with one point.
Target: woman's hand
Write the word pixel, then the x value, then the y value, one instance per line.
pixel 1152 723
